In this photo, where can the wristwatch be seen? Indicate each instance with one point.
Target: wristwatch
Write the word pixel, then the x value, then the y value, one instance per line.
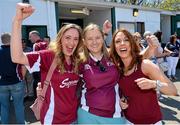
pixel 158 85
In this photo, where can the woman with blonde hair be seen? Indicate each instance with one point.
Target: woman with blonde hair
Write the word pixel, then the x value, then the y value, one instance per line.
pixel 60 102
pixel 100 99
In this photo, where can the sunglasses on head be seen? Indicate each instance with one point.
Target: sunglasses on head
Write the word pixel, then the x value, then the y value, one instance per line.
pixel 101 67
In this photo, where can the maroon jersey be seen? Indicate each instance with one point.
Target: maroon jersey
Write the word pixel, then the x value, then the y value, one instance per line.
pixel 61 103
pixel 99 95
pixel 40 45
pixel 143 104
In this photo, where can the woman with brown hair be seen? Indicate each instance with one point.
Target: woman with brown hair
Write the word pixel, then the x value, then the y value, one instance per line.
pixel 137 37
pixel 139 80
pixel 61 103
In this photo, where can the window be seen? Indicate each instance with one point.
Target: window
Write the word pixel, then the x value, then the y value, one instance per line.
pixel 178 24
pixel 132 26
pixel 140 27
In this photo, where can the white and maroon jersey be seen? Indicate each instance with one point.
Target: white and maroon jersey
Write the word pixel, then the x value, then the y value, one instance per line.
pixel 40 45
pixel 100 94
pixel 61 103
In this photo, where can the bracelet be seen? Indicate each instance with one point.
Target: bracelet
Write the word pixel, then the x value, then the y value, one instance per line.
pixel 158 85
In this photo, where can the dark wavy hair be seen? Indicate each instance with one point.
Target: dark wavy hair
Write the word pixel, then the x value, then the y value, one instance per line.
pixel 158 34
pixel 172 39
pixel 135 52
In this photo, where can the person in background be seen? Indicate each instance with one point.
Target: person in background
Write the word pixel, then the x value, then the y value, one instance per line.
pixel 100 99
pixel 145 36
pixel 38 45
pixel 172 47
pixel 60 102
pixel 47 39
pixel 137 37
pixel 25 47
pixel 149 45
pixel 11 84
pixel 139 80
pixel 27 77
pixel 159 52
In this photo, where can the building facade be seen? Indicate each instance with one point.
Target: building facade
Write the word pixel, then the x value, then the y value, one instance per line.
pixel 51 14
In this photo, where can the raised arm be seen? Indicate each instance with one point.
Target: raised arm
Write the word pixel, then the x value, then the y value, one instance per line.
pixel 152 46
pixel 157 79
pixel 22 11
pixel 107 26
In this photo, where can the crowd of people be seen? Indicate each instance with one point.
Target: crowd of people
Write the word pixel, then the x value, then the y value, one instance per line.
pixel 90 85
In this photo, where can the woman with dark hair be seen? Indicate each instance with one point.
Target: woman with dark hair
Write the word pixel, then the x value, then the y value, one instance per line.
pixel 137 37
pixel 139 80
pixel 172 47
pixel 158 34
pixel 60 102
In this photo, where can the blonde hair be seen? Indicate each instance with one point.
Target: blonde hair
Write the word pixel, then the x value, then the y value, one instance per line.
pixel 56 47
pixel 89 27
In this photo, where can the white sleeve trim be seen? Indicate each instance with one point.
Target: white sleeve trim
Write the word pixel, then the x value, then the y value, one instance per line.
pixel 35 67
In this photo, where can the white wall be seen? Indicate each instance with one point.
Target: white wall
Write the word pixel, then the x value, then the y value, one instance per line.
pixel 7 11
pixel 43 15
pixel 165 27
pixel 150 19
pixel 99 18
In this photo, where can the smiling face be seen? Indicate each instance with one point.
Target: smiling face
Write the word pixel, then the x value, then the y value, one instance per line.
pixel 122 45
pixel 93 40
pixel 124 50
pixel 34 36
pixel 70 41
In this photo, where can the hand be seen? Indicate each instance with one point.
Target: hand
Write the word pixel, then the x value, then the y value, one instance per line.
pixel 152 41
pixel 107 26
pixel 123 103
pixel 172 53
pixel 167 53
pixel 39 89
pixel 23 10
pixel 145 84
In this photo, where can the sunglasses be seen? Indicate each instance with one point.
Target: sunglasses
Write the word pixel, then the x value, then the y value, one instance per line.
pixel 101 67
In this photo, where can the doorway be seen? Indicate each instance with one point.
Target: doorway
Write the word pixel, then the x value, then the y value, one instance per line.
pixel 75 21
pixel 27 28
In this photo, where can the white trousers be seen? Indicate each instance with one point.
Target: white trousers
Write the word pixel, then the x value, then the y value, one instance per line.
pixel 172 63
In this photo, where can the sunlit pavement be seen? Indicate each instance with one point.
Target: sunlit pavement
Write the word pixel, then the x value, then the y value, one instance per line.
pixel 170 106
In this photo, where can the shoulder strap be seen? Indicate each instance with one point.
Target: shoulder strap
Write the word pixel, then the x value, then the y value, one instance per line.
pixel 48 77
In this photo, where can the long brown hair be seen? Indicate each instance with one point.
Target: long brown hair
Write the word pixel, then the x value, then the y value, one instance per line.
pixel 89 27
pixel 136 57
pixel 56 47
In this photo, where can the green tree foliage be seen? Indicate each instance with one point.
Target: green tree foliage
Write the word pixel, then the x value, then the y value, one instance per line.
pixel 170 5
pixel 162 4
